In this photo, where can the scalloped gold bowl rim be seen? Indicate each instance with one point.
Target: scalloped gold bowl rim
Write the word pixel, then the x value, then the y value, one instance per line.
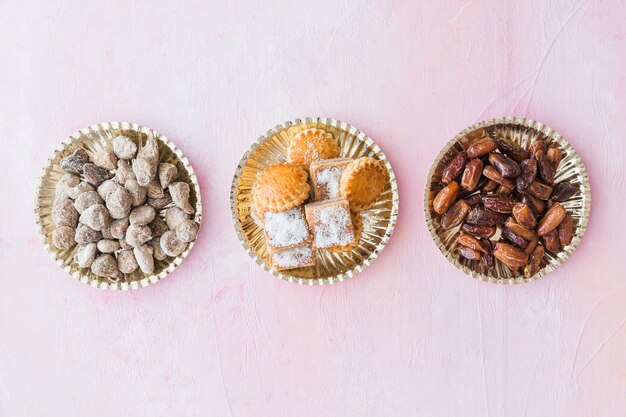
pixel 71 269
pixel 393 216
pixel 563 255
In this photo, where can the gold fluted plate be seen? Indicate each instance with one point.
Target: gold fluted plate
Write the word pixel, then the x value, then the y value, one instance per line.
pixel 94 138
pixel 571 168
pixel 378 222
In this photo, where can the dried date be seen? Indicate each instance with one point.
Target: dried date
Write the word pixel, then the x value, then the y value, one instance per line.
pixel 551 241
pixel 495 175
pixel 455 215
pixel 554 155
pixel 481 147
pixel 564 191
pixel 546 169
pixel 550 221
pixel 445 197
pixel 512 149
pixel 484 232
pixel 514 238
pixel 471 174
pixel 506 166
pixel 485 217
pixel 524 216
pixel 454 168
pixel 534 262
pixel 471 242
pixel 520 230
pixel 528 173
pixel 537 205
pixel 499 203
pixel 565 230
pixel 540 190
pixel 468 253
pixel 510 255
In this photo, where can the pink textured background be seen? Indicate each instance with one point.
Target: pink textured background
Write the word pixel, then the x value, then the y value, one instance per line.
pixel 411 336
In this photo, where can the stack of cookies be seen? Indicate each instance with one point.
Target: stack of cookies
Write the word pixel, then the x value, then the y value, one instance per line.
pixel 314 201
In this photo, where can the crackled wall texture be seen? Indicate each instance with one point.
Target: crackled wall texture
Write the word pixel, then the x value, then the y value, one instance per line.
pixel 411 336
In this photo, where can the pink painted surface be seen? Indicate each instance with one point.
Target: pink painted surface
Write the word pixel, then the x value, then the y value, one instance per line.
pixel 411 336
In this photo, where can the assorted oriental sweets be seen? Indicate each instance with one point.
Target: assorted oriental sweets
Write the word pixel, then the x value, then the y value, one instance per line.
pixel 340 188
pixel 504 202
pixel 122 207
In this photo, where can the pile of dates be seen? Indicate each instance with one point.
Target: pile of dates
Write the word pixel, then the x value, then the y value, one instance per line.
pixel 494 185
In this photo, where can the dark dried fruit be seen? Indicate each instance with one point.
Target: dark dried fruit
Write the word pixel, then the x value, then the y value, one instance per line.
pixel 524 216
pixel 534 262
pixel 546 169
pixel 471 242
pixel 510 255
pixel 472 137
pixel 490 185
pixel 506 166
pixel 565 230
pixel 564 191
pixel 514 238
pixel 518 229
pixel 495 175
pixel 445 197
pixel 554 155
pixel 471 174
pixel 74 163
pixel 488 260
pixel 455 215
pixel 479 231
pixel 536 146
pixel 551 241
pixel 454 168
pixel 95 175
pixel 499 203
pixel 485 217
pixel 481 147
pixel 531 246
pixel 474 199
pixel 553 217
pixel 471 254
pixel 537 205
pixel 528 174
pixel 512 149
pixel 540 190
pixel 502 190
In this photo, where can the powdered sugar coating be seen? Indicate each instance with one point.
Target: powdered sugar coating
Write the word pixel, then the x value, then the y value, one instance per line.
pixel 329 178
pixel 124 147
pixel 286 228
pixel 332 226
pixel 297 257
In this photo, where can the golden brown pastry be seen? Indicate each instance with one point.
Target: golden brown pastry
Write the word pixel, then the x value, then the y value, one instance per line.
pixel 310 145
pixel 280 188
pixel 362 183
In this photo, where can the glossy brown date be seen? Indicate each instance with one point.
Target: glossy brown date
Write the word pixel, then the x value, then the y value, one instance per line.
pixel 540 190
pixel 551 241
pixel 471 174
pixel 495 175
pixel 514 238
pixel 481 147
pixel 512 149
pixel 534 262
pixel 546 169
pixel 506 166
pixel 554 155
pixel 520 230
pixel 550 221
pixel 471 242
pixel 565 230
pixel 455 215
pixel 498 203
pixel 484 232
pixel 445 197
pixel 564 191
pixel 485 217
pixel 524 215
pixel 538 206
pixel 489 186
pixel 510 255
pixel 468 253
pixel 454 168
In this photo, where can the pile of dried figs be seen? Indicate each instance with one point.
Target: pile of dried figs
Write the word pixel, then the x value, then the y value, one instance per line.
pixel 505 201
pixel 122 207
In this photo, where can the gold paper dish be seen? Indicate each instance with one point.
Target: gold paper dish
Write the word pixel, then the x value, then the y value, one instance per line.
pixel 94 138
pixel 378 222
pixel 522 131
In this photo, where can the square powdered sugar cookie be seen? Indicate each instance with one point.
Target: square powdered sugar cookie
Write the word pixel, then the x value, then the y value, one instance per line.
pixel 296 257
pixel 325 176
pixel 286 229
pixel 330 223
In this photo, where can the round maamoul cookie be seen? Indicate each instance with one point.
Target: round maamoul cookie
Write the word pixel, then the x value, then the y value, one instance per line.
pixel 310 145
pixel 280 188
pixel 357 224
pixel 362 183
